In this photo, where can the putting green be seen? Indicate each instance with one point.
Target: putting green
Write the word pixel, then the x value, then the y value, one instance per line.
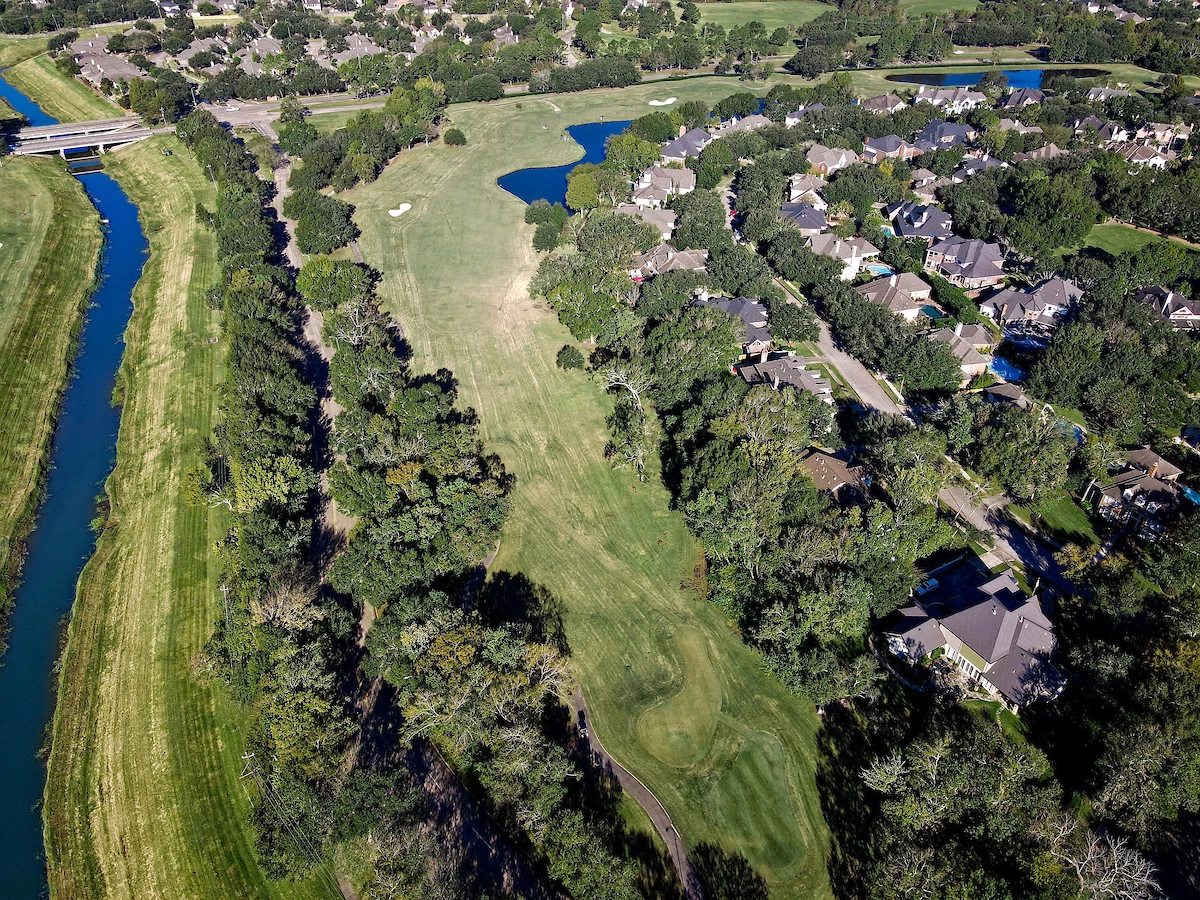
pixel 679 730
pixel 757 778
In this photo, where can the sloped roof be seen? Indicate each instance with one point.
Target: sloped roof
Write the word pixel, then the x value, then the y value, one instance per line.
pixel 804 215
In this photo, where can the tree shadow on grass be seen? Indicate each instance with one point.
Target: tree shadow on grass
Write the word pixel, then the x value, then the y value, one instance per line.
pixel 511 598
pixel 727 876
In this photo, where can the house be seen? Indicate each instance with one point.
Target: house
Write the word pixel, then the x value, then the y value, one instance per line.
pixel 1050 151
pixel 1081 126
pixel 1142 155
pixel 978 336
pixel 1165 135
pixel 1040 308
pixel 504 36
pixel 169 8
pixel 1100 94
pixel 1022 97
pixel 748 123
pixel 971 362
pixel 1180 311
pixel 429 31
pixel 784 370
pixel 806 217
pixel 1005 393
pixel 891 146
pixel 96 67
pixel 665 258
pixel 1018 127
pixel 916 220
pixel 884 105
pixel 211 45
pixel 832 475
pixel 89 46
pixel 995 633
pixel 1142 495
pixel 971 264
pixel 939 135
pixel 658 184
pixel 806 188
pixel 853 253
pixel 792 119
pixel 751 313
pixel 1113 133
pixel 357 47
pixel 972 167
pixel 826 160
pixel 689 143
pixel 905 294
pixel 955 100
pixel 662 219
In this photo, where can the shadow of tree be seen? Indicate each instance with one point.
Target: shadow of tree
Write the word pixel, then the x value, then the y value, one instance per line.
pixel 511 598
pixel 727 876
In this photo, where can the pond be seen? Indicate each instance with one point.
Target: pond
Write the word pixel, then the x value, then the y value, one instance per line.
pixel 81 457
pixel 1017 78
pixel 549 183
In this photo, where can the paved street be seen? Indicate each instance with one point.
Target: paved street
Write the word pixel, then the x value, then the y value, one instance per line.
pixel 855 374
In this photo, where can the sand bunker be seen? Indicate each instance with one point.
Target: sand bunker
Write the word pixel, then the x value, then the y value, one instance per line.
pixel 666 102
pixel 400 210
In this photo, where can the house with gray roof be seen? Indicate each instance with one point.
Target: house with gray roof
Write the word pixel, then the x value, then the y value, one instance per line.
pixel 917 220
pixel 972 166
pixel 890 146
pixel 971 362
pixel 659 184
pixel 827 160
pixel 970 263
pixel 853 253
pixel 750 312
pixel 662 219
pixel 835 474
pixel 665 258
pixel 884 104
pixel 1022 97
pixel 806 217
pixel 734 125
pixel 792 119
pixel 1041 307
pixel 997 635
pixel 687 144
pixel 1177 309
pixel 1100 94
pixel 1050 151
pixel 939 135
pixel 806 188
pixel 782 370
pixel 956 100
pixel 1141 495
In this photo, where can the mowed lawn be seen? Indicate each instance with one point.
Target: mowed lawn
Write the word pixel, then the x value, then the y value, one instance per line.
pixel 921 7
pixel 143 798
pixel 772 13
pixel 1117 239
pixel 13 49
pixel 49 246
pixel 674 693
pixel 66 99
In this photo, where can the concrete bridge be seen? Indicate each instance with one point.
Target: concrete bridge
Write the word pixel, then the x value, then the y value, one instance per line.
pixel 100 136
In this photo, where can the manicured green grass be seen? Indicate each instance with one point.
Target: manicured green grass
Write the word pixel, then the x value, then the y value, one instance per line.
pixel 674 693
pixel 49 246
pixel 13 49
pixel 1060 516
pixel 993 711
pixel 1117 239
pixel 67 99
pixel 772 13
pixel 144 797
pixel 914 8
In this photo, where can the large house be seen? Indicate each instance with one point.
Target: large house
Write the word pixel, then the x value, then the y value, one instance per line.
pixel 665 258
pixel 1022 97
pixel 1143 495
pixel 884 105
pixel 972 166
pixel 662 219
pixel 833 475
pixel 807 218
pixel 784 370
pixel 890 146
pixel 995 633
pixel 689 143
pixel 971 362
pixel 939 135
pixel 971 264
pixel 853 253
pixel 1100 94
pixel 956 100
pixel 1041 308
pixel 792 119
pixel 806 188
pixel 905 294
pixel 658 184
pixel 1049 151
pixel 748 123
pixel 1181 312
pixel 751 313
pixel 827 160
pixel 916 220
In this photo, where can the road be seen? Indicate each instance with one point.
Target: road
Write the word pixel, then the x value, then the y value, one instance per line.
pixel 646 800
pixel 855 374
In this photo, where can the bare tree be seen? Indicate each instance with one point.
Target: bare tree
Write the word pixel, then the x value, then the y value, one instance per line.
pixel 624 375
pixel 1107 867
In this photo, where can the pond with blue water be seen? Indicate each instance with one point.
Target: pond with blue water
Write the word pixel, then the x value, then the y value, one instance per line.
pixel 81 457
pixel 549 183
pixel 1017 78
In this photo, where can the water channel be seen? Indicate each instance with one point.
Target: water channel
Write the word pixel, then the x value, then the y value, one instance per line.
pixel 81 457
pixel 1017 78
pixel 549 183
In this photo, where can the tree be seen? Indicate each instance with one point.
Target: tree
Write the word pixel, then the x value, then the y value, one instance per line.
pixel 454 137
pixel 569 357
pixel 582 192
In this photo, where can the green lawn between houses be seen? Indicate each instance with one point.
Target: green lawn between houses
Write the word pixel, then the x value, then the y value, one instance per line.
pixel 49 246
pixel 675 695
pixel 143 798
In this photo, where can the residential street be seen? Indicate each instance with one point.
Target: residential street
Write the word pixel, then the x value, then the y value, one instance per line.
pixel 856 375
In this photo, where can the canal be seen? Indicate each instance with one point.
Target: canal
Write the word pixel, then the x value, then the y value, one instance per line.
pixel 81 457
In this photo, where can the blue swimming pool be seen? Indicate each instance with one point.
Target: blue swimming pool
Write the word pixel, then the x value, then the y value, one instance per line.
pixel 880 269
pixel 1006 370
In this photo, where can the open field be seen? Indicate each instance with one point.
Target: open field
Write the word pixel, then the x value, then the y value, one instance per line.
pixel 13 49
pixel 674 694
pixel 772 13
pixel 65 98
pixel 49 246
pixel 1116 239
pixel 143 798
pixel 921 7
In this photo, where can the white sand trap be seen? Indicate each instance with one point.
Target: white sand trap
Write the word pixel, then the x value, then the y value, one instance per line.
pixel 400 210
pixel 666 102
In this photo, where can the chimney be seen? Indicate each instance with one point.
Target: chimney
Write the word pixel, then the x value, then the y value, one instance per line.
pixel 775 381
pixel 762 357
pixel 1153 469
pixel 682 130
pixel 958 329
pixel 892 281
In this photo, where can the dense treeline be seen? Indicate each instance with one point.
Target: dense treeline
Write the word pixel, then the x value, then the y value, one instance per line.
pixel 28 18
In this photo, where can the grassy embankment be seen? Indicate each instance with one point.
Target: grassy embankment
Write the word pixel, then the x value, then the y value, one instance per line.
pixel 143 798
pixel 675 695
pixel 49 247
pixel 66 99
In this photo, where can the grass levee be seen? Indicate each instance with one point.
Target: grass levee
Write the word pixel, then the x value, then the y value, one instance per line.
pixel 61 96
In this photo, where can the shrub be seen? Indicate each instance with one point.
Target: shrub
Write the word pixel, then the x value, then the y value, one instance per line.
pixel 546 236
pixel 569 357
pixel 455 137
